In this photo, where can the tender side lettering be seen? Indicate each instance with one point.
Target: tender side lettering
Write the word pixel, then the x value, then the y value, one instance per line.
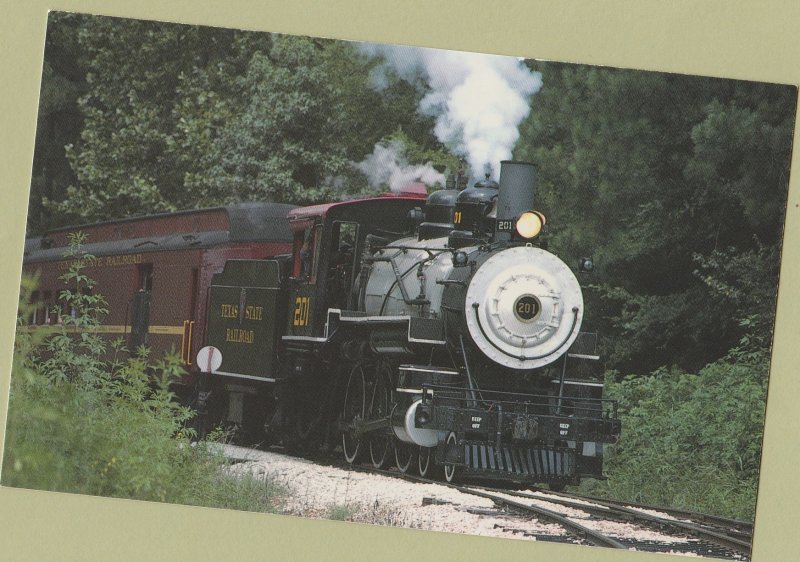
pixel 239 336
pixel 253 312
pixel 250 312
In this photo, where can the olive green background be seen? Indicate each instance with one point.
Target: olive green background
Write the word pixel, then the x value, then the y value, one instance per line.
pixel 734 39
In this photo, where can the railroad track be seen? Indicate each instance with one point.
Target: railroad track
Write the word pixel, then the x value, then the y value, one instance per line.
pixel 725 533
pixel 707 535
pixel 733 526
pixel 583 518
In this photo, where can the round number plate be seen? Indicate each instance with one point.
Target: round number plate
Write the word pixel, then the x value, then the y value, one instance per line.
pixel 527 308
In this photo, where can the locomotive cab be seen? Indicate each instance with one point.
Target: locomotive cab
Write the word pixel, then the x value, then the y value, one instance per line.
pixel 329 243
pixel 323 268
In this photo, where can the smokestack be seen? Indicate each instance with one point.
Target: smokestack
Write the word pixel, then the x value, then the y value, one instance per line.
pixel 517 192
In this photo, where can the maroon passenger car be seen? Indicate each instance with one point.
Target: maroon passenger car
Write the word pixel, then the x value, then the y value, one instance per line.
pixel 155 271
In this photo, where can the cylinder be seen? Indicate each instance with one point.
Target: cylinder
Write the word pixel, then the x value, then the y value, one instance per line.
pixel 405 429
pixel 517 192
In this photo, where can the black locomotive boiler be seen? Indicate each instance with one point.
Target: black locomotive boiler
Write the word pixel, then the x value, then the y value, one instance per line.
pixel 433 334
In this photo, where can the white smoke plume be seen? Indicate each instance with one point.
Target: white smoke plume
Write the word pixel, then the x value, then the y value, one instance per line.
pixel 388 165
pixel 478 100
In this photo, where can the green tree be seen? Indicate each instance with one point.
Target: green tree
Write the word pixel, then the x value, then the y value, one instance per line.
pixel 307 112
pixel 127 160
pixel 370 115
pixel 177 116
pixel 59 120
pixel 652 174
pixel 283 140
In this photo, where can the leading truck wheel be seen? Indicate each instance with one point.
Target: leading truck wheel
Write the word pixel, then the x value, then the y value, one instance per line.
pixel 353 410
pixel 450 472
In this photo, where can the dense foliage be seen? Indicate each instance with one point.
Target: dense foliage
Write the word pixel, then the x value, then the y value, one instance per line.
pixel 677 187
pixel 690 439
pixel 203 116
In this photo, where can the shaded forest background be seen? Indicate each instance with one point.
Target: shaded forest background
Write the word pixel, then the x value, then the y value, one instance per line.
pixel 676 185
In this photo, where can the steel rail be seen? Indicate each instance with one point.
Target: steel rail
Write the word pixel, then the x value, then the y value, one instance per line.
pixel 595 537
pixel 576 529
pixel 745 527
pixel 606 508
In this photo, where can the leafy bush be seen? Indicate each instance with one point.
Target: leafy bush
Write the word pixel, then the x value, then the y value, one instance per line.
pixel 691 440
pixel 82 420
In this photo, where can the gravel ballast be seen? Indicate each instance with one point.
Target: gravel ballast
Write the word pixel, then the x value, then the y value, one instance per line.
pixel 327 492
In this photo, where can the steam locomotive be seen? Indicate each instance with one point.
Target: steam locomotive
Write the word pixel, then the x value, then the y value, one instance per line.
pixel 431 332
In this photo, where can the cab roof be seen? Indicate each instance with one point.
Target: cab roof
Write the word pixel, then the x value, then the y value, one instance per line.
pixel 414 194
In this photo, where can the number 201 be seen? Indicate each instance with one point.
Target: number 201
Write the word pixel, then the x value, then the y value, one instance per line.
pixel 301 311
pixel 525 308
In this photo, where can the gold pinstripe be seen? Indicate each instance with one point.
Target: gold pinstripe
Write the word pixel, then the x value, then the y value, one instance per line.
pixel 112 329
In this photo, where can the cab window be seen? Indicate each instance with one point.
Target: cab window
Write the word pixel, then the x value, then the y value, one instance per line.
pixel 306 254
pixel 341 264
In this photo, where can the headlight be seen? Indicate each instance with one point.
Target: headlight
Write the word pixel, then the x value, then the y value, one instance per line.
pixel 530 223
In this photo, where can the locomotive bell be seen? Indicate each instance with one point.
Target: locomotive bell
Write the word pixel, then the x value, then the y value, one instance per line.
pixel 516 196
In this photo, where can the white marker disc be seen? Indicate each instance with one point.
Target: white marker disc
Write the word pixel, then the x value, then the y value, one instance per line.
pixel 209 359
